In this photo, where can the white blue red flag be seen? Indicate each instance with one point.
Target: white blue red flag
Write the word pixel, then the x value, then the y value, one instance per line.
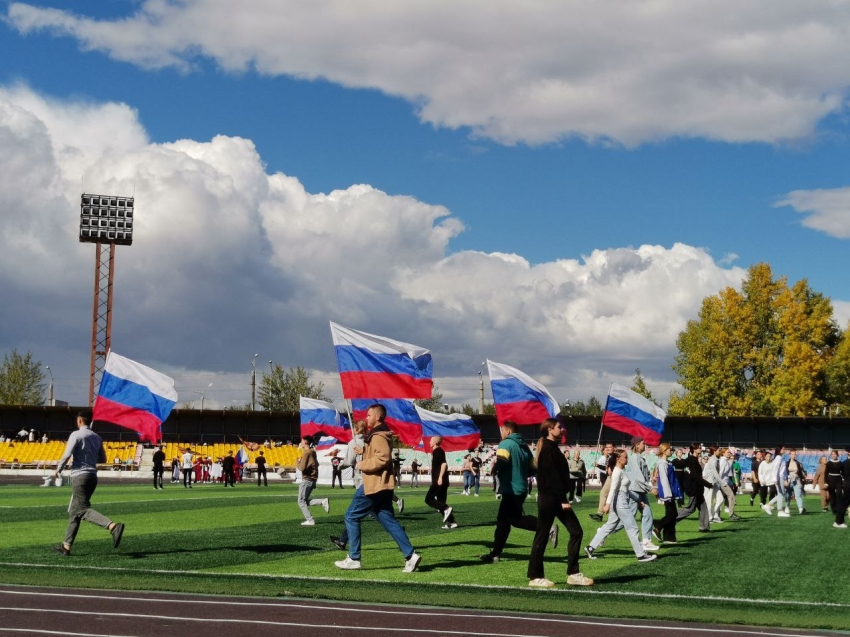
pixel 242 456
pixel 134 396
pixel 518 397
pixel 378 367
pixel 320 417
pixel 633 414
pixel 325 442
pixel 458 431
pixel 402 418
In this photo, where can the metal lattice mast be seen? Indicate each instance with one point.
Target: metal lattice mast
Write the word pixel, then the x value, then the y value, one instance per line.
pixel 101 331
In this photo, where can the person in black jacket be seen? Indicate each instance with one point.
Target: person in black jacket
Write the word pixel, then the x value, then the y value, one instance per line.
pixel 158 467
pixel 228 465
pixel 553 482
pixel 695 489
pixel 262 473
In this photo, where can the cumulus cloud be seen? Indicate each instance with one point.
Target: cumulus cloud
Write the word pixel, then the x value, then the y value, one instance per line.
pixel 825 210
pixel 620 71
pixel 229 260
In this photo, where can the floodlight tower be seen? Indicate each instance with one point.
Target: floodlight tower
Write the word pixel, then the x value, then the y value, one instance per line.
pixel 106 221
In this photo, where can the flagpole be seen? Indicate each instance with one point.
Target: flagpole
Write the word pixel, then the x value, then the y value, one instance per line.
pixel 602 422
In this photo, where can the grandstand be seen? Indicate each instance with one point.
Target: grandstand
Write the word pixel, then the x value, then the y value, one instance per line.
pixel 284 456
pixel 40 455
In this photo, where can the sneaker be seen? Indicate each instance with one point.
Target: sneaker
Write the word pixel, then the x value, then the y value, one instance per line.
pixel 767 509
pixel 117 531
pixel 451 525
pixel 735 517
pixel 338 543
pixel 541 582
pixel 578 500
pixel 783 514
pixel 825 510
pixel 647 557
pixel 835 524
pixel 716 521
pixel 310 522
pixel 787 511
pixel 348 564
pixel 669 542
pixel 488 558
pixel 399 504
pixel 326 505
pixel 475 494
pixel 553 536
pixel 589 550
pixel 411 563
pixel 60 548
pixel 802 511
pixel 752 501
pixel 596 517
pixel 577 579
pixel 649 546
pixel 656 535
pixel 447 514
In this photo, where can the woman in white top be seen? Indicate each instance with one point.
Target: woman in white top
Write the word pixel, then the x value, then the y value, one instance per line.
pixel 767 476
pixel 621 509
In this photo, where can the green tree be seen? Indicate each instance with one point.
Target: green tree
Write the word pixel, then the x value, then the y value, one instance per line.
pixel 434 403
pixel 762 351
pixel 837 374
pixel 592 407
pixel 281 388
pixel 21 380
pixel 639 387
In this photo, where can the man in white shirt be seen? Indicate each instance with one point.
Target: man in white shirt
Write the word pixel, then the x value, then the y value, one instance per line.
pixel 186 463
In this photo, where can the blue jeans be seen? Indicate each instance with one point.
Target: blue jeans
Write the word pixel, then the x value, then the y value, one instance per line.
pixel 381 505
pixel 797 487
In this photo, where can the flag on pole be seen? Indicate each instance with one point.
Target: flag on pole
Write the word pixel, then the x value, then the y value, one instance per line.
pixel 458 431
pixel 325 442
pixel 633 414
pixel 402 418
pixel 379 367
pixel 518 397
pixel 242 456
pixel 134 396
pixel 320 417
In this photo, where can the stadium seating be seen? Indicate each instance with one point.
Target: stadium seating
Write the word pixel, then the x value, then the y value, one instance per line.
pixel 45 454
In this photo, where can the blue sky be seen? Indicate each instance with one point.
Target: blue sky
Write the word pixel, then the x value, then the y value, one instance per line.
pixel 563 173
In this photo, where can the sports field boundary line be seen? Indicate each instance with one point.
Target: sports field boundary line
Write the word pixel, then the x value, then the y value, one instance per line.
pixel 481 587
pixel 194 499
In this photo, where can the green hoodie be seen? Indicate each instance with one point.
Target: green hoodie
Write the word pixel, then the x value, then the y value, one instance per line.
pixel 513 460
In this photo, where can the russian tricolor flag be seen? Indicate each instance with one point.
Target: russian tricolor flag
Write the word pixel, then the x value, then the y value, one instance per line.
pixel 325 442
pixel 320 417
pixel 634 414
pixel 379 367
pixel 134 396
pixel 518 397
pixel 402 418
pixel 458 431
pixel 242 456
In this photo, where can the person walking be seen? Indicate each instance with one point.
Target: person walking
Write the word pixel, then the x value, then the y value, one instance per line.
pixel 620 507
pixel 841 511
pixel 669 493
pixel 796 480
pixel 86 448
pixel 228 470
pixel 819 480
pixel 553 479
pixel 466 473
pixel 758 490
pixel 188 468
pixel 158 467
pixel 513 465
pixel 374 496
pixel 696 489
pixel 353 455
pixel 414 473
pixel 476 472
pixel 578 473
pixel 308 465
pixel 336 469
pixel 640 484
pixel 833 481
pixel 261 469
pixel 439 489
pixel 604 469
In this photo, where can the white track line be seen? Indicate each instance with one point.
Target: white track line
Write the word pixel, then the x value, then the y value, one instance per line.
pixel 378 611
pixel 483 587
pixel 41 631
pixel 104 502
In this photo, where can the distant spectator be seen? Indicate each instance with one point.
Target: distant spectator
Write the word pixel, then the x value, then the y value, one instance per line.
pixel 31 435
pixel 158 467
pixel 44 439
pixel 23 434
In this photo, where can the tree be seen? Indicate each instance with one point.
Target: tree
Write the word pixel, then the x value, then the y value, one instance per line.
pixel 434 403
pixel 21 380
pixel 280 389
pixel 581 408
pixel 763 351
pixel 639 387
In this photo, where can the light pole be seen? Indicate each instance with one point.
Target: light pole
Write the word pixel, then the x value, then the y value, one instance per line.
pixel 254 382
pixel 49 389
pixel 481 389
pixel 202 395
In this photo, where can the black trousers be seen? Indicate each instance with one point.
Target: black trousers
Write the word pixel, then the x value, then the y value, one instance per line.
pixel 436 498
pixel 187 477
pixel 510 515
pixel 833 484
pixel 337 473
pixel 574 488
pixel 666 526
pixel 760 491
pixel 261 473
pixel 158 470
pixel 548 509
pixel 229 478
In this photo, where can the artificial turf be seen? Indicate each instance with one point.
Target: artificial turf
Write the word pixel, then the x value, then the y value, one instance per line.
pixel 764 571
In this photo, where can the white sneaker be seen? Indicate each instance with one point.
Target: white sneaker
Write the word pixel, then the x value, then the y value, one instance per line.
pixel 716 521
pixel 767 509
pixel 649 546
pixel 453 525
pixel 541 582
pixel 839 526
pixel 326 505
pixel 447 514
pixel 787 511
pixel 783 514
pixel 475 494
pixel 411 563
pixel 310 522
pixel 399 504
pixel 348 564
pixel 577 579
pixel 578 499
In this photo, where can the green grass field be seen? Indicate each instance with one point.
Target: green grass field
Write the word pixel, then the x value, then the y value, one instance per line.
pixel 249 541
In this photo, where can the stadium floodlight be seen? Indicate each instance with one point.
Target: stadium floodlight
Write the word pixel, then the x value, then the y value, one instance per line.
pixel 106 219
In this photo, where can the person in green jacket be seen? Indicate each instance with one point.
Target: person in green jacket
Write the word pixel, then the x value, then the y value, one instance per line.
pixel 514 463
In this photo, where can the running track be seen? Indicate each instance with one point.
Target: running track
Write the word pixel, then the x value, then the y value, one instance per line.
pixel 90 613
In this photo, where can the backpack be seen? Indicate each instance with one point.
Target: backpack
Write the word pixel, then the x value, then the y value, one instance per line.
pixel 675 487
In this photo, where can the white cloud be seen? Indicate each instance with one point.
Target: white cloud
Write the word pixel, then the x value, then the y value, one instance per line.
pixel 625 71
pixel 825 210
pixel 229 260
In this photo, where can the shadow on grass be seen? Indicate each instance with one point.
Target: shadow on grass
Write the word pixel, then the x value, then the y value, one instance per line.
pixel 260 549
